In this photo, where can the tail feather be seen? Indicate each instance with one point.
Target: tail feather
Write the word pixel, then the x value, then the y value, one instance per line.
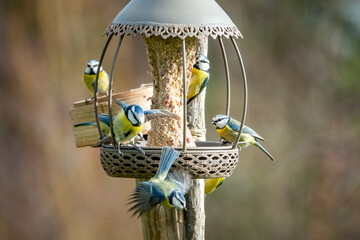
pixel 85 124
pixel 264 150
pixel 167 159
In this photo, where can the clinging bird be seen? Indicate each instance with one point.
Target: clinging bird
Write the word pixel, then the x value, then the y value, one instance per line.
pixel 200 77
pixel 168 189
pixel 90 76
pixel 228 129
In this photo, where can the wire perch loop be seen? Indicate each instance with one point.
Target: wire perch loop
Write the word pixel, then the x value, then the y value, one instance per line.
pixel 206 159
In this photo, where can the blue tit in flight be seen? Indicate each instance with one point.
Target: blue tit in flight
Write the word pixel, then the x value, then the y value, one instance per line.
pixel 90 76
pixel 167 189
pixel 200 77
pixel 228 129
pixel 212 184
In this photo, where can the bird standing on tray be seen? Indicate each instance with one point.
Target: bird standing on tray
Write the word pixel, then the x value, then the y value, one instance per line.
pixel 90 76
pixel 168 189
pixel 228 129
pixel 200 77
pixel 128 123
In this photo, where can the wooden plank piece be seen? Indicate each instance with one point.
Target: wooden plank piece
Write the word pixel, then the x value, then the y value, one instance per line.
pixel 84 112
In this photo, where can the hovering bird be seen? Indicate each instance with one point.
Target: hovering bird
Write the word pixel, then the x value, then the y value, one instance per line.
pixel 228 129
pixel 168 189
pixel 200 77
pixel 90 76
pixel 128 123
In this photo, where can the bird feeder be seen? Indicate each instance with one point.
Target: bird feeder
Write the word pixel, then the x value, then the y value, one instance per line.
pixel 183 20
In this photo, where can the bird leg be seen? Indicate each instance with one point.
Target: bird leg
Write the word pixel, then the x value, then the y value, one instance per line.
pixel 224 142
pixel 136 147
pixel 118 148
pixel 87 101
pixel 105 141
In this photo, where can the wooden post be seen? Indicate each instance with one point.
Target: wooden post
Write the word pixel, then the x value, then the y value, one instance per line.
pixel 165 59
pixel 194 217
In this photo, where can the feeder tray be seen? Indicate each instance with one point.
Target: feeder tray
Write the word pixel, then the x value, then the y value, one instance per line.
pixel 206 160
pixel 180 19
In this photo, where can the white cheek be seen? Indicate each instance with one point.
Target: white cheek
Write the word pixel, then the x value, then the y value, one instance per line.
pixel 87 70
pixel 132 118
pixel 222 123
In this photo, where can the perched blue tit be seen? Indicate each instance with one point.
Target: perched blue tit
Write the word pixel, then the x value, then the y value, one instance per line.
pixel 168 189
pixel 228 129
pixel 128 123
pixel 90 76
pixel 212 184
pixel 200 77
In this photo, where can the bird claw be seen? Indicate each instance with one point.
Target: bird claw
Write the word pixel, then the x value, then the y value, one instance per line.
pixel 88 101
pixel 120 153
pixel 138 148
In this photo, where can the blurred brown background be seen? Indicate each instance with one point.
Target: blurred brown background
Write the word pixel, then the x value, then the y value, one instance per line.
pixel 303 64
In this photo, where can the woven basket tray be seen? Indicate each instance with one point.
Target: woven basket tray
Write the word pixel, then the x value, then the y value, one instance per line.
pixel 207 160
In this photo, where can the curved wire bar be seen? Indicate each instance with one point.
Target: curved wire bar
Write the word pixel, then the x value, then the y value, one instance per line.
pixel 96 85
pixel 227 75
pixel 184 94
pixel 110 90
pixel 245 91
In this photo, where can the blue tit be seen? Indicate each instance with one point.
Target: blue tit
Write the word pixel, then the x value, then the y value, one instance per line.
pixel 212 184
pixel 200 77
pixel 168 189
pixel 129 122
pixel 228 129
pixel 90 76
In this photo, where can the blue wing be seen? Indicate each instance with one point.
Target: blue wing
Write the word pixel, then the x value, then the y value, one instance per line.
pixel 181 178
pixel 235 126
pixel 159 113
pixel 105 119
pixel 145 197
pixel 121 103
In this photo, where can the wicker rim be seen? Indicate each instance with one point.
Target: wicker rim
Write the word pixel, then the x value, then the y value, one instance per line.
pixel 200 162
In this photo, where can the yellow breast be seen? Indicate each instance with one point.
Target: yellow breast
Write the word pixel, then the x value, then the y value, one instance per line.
pixel 212 184
pixel 103 83
pixel 123 129
pixel 196 83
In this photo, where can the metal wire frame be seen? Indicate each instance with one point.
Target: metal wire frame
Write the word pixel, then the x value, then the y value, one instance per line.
pixel 184 88
pixel 226 64
pixel 96 85
pixel 245 91
pixel 110 90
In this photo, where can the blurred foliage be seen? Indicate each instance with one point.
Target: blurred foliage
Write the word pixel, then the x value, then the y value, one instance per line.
pixel 303 66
